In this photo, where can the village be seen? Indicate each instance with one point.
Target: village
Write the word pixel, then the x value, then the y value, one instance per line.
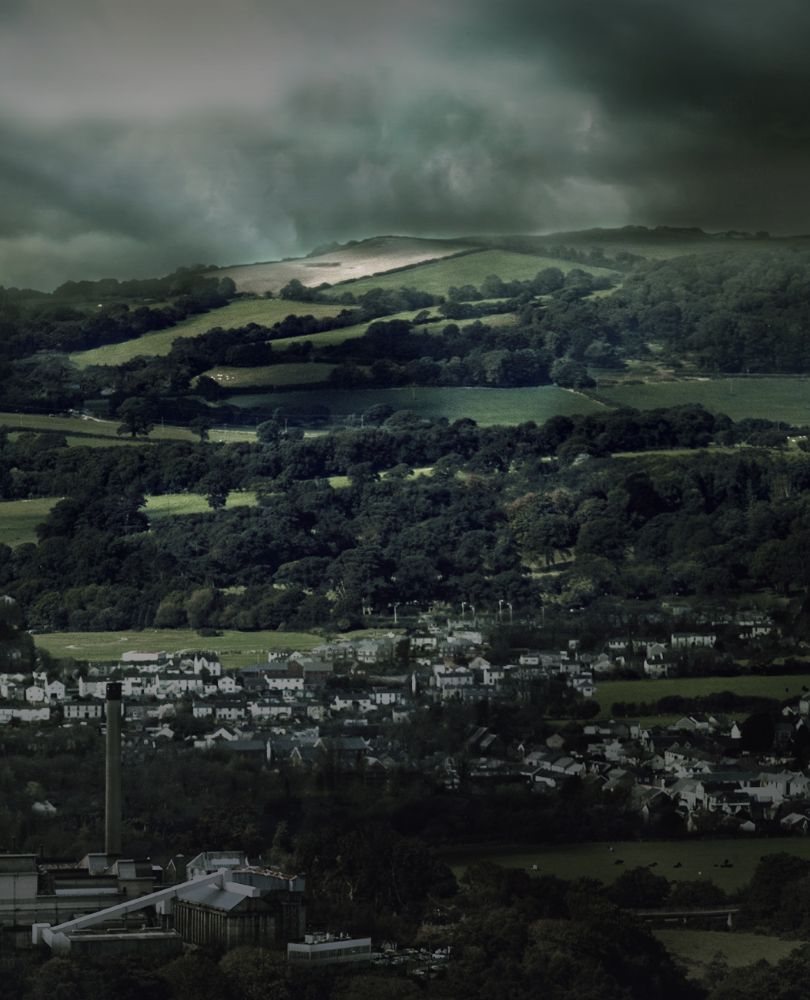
pixel 341 706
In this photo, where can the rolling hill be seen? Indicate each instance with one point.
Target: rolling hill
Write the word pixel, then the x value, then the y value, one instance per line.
pixel 355 260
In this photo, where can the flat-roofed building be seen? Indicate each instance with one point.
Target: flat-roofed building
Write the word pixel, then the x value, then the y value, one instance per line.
pixel 322 949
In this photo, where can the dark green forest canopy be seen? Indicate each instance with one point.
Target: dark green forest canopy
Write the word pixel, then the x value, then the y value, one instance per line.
pixel 527 514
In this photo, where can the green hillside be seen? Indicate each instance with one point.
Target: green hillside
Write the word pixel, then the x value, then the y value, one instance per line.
pixel 265 312
pixel 469 269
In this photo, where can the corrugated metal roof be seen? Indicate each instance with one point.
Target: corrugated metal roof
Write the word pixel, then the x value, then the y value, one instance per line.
pixel 219 899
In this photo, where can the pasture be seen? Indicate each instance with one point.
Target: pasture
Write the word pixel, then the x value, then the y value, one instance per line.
pixel 469 269
pixel 19 519
pixel 236 649
pixel 485 406
pixel 85 441
pixel 764 397
pixel 105 431
pixel 698 859
pixel 372 256
pixel 338 336
pixel 696 949
pixel 663 244
pixel 178 504
pixel 779 686
pixel 265 312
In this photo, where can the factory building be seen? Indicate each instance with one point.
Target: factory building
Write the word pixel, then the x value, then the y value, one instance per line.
pixel 257 906
pixel 36 889
pixel 107 904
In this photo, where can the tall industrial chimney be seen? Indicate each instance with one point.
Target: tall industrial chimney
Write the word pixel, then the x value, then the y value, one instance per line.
pixel 112 820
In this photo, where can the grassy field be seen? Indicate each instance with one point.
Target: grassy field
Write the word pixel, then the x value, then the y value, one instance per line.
pixel 380 253
pixel 85 441
pixel 470 269
pixel 486 406
pixel 341 482
pixel 695 949
pixel 104 431
pixel 265 312
pixel 779 686
pixel 235 648
pixel 338 336
pixel 786 399
pixel 661 245
pixel 358 329
pixel 299 373
pixel 177 504
pixel 699 859
pixel 19 519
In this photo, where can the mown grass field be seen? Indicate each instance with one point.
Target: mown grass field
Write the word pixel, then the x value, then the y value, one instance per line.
pixel 265 312
pixel 786 399
pixel 780 686
pixel 485 406
pixel 79 427
pixel 236 649
pixel 298 373
pixel 469 269
pixel 19 519
pixel 699 859
pixel 695 949
pixel 177 504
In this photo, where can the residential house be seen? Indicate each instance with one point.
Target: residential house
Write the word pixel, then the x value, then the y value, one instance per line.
pixel 693 640
pixel 82 711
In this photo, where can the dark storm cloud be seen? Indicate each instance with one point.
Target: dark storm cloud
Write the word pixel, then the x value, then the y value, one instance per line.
pixel 698 108
pixel 137 137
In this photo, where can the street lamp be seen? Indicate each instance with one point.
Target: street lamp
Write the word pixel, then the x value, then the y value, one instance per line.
pixel 395 606
pixel 500 609
pixel 509 605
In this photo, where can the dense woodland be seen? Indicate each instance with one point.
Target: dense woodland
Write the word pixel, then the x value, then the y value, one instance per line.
pixel 529 514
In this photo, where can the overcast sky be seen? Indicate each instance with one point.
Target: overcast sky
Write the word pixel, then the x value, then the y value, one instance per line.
pixel 135 137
